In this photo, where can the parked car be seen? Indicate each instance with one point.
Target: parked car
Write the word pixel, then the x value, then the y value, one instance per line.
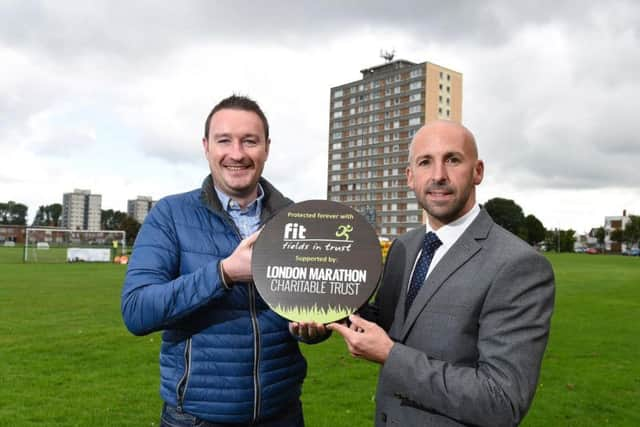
pixel 631 252
pixel 591 251
pixel 580 250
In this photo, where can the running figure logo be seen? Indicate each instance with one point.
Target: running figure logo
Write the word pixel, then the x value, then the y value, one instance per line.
pixel 343 231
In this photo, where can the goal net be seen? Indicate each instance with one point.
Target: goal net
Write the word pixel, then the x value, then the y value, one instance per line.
pixel 58 245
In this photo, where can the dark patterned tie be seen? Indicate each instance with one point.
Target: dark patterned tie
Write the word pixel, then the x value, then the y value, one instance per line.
pixel 431 243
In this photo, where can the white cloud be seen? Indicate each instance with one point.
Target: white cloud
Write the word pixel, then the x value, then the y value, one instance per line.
pixel 113 97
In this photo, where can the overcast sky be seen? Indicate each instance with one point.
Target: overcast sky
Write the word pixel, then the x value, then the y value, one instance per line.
pixel 111 96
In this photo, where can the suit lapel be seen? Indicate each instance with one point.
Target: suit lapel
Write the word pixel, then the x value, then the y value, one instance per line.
pixel 461 251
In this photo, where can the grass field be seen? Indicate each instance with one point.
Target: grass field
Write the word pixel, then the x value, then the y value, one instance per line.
pixel 67 360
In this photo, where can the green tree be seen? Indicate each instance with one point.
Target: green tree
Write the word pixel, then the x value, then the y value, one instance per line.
pixel 631 232
pixel 55 212
pixel 112 220
pixel 600 235
pixel 567 240
pixel 12 213
pixel 40 217
pixel 560 240
pixel 551 240
pixel 617 235
pixel 535 231
pixel 508 214
pixel 48 215
pixel 117 220
pixel 131 227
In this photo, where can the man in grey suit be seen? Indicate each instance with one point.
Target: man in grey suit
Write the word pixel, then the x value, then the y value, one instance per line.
pixel 463 346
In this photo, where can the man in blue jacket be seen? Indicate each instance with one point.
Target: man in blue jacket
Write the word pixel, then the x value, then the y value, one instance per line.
pixel 226 359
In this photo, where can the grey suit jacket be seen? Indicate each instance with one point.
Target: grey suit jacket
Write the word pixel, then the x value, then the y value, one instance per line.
pixel 470 349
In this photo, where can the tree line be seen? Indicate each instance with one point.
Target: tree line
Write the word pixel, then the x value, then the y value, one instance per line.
pixel 13 213
pixel 504 212
pixel 510 215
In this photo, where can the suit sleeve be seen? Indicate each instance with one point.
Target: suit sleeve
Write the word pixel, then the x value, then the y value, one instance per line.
pixel 155 295
pixel 513 331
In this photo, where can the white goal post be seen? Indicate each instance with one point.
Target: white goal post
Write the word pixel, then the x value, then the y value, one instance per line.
pixel 53 244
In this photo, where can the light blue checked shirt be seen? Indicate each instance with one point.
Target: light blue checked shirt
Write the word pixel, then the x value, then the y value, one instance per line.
pixel 248 219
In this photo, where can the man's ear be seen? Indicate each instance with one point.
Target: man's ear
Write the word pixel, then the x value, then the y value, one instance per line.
pixel 478 172
pixel 409 174
pixel 205 145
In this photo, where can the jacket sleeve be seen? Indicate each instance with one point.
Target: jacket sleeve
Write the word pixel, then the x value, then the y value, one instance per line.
pixel 382 309
pixel 513 331
pixel 154 294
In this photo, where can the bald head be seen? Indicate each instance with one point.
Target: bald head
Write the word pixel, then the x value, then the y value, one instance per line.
pixel 444 170
pixel 448 130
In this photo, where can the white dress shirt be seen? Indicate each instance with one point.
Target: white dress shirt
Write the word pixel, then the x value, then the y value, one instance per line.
pixel 448 235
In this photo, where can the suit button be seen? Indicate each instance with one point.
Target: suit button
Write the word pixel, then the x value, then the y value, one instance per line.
pixel 383 416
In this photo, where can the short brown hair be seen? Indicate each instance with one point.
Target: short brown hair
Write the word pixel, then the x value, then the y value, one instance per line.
pixel 238 102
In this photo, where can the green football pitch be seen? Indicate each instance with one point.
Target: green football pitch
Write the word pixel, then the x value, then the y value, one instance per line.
pixel 66 358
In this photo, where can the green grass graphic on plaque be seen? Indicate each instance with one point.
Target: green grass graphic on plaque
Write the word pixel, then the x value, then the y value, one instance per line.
pixel 314 313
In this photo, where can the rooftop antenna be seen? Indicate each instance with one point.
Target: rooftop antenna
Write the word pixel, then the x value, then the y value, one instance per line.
pixel 388 56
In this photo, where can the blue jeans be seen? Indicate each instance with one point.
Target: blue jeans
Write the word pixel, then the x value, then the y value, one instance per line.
pixel 172 418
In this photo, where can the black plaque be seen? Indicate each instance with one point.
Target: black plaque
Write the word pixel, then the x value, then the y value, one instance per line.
pixel 317 261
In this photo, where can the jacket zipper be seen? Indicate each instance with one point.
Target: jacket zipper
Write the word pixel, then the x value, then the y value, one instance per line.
pixel 256 331
pixel 256 352
pixel 181 389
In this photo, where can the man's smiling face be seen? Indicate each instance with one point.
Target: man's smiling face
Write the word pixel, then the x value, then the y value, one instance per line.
pixel 444 170
pixel 236 150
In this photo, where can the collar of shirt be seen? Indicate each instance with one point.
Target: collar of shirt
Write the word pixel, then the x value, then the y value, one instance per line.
pixel 248 219
pixel 449 234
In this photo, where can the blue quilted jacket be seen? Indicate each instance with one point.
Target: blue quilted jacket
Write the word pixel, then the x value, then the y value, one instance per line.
pixel 225 356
